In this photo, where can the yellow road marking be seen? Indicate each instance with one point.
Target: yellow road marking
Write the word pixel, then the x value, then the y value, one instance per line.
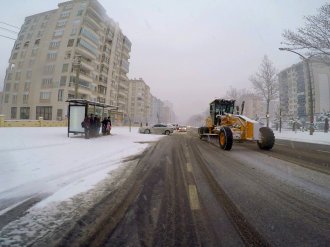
pixel 193 198
pixel 189 167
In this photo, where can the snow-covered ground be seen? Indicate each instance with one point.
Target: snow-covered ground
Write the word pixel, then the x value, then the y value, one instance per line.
pixel 43 165
pixel 317 137
pixel 45 161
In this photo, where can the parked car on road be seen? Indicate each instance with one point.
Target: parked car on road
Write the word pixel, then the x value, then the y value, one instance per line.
pixel 157 129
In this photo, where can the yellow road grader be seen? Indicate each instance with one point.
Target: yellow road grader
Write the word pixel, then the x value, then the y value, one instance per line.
pixel 228 126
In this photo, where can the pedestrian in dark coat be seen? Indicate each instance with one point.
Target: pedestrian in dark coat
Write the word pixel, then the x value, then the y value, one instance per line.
pixel 87 126
pixel 326 125
pixel 104 125
pixel 108 126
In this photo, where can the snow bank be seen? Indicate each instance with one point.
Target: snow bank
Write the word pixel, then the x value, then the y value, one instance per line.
pixel 317 137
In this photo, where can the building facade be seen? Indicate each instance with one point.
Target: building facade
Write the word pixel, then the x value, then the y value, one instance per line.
pixel 294 89
pixel 42 74
pixel 139 102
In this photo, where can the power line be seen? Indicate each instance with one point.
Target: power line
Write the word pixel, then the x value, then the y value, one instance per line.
pixel 7 37
pixel 8 24
pixel 8 30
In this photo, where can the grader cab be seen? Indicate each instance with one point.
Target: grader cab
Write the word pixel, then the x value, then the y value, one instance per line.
pixel 228 126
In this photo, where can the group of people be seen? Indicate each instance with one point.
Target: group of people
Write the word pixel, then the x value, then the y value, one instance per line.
pixel 92 125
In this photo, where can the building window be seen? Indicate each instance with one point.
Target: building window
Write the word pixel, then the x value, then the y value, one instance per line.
pixel 61 23
pixel 45 95
pixel 67 55
pixel 59 114
pixel 18 76
pixel 28 74
pixel 68 6
pixel 65 68
pixel 24 112
pixel 17 46
pixel 52 55
pixel 44 111
pixel 20 65
pixel 14 99
pixel 16 86
pixel 40 33
pixel 37 42
pixel 23 54
pixel 26 44
pixel 7 87
pixel 47 83
pixel 80 12
pixel 25 98
pixel 27 86
pixel 63 81
pixel 49 69
pixel 54 44
pixel 65 14
pixel 6 98
pixel 34 52
pixel 13 113
pixel 44 24
pixel 70 42
pixel 60 95
pixel 14 56
pixel 31 63
pixel 58 33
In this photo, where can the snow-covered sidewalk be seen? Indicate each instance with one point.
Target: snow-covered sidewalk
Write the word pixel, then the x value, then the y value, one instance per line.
pixel 317 137
pixel 44 161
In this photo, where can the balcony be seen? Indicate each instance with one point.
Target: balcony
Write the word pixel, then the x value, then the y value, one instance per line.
pixel 122 94
pixel 123 86
pixel 87 65
pixel 83 51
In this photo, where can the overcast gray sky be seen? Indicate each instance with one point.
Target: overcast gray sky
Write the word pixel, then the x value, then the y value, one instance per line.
pixel 189 51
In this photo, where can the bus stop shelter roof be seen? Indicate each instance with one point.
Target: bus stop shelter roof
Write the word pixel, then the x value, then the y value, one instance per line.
pixel 92 103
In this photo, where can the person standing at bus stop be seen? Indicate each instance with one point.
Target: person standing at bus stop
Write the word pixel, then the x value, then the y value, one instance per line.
pixel 87 126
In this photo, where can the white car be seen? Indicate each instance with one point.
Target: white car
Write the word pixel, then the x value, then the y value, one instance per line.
pixel 157 129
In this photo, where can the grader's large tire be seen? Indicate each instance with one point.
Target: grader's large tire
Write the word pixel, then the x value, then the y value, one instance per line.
pixel 226 138
pixel 267 138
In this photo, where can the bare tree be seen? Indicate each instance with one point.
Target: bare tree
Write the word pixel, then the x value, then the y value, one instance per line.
pixel 233 93
pixel 314 37
pixel 265 83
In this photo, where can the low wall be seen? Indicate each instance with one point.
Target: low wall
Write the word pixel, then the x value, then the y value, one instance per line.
pixel 31 123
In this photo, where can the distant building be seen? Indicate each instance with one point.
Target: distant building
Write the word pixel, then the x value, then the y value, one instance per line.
pixel 139 102
pixel 41 76
pixel 294 89
pixel 156 110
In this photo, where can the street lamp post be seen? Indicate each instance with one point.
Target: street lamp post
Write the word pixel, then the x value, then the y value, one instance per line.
pixel 76 66
pixel 311 108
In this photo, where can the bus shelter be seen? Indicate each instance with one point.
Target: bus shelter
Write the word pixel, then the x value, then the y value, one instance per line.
pixel 80 108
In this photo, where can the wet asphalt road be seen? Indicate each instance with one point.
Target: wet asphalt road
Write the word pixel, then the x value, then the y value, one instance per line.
pixel 188 192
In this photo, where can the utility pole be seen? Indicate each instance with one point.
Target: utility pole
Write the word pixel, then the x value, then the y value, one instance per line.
pixel 311 107
pixel 280 119
pixel 76 66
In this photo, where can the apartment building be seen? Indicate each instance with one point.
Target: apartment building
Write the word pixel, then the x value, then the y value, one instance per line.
pixel 41 72
pixel 139 102
pixel 294 89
